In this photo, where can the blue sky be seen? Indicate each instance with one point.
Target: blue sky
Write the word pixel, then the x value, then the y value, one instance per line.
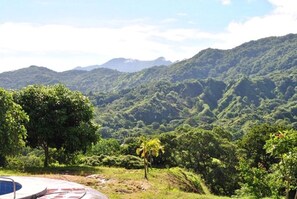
pixel 63 34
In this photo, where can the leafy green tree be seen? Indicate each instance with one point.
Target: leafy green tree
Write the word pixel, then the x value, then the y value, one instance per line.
pixel 211 154
pixel 168 157
pixel 12 125
pixel 59 118
pixel 129 146
pixel 105 147
pixel 255 181
pixel 255 163
pixel 283 145
pixel 147 150
pixel 252 144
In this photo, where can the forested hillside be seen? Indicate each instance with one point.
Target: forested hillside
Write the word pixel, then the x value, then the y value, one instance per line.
pixel 163 106
pixel 251 59
pixel 230 116
pixel 254 82
pixel 254 58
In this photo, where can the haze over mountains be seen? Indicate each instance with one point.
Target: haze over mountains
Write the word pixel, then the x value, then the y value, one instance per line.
pixel 128 65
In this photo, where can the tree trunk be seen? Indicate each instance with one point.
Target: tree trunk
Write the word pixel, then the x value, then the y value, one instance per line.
pixel 145 168
pixel 292 194
pixel 151 161
pixel 46 155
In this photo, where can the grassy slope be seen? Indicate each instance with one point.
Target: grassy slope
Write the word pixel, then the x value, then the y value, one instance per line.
pixel 118 182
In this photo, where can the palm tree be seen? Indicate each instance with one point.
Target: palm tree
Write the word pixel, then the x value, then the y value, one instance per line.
pixel 149 149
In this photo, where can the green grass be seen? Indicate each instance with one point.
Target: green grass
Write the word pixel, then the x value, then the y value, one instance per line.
pixel 119 183
pixel 9 172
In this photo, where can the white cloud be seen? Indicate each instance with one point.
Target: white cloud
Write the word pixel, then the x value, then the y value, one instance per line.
pixel 62 47
pixel 281 21
pixel 226 2
pixel 285 6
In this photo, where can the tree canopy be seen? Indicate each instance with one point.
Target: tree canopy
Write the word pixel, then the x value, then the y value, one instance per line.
pixel 210 153
pixel 147 150
pixel 59 118
pixel 12 125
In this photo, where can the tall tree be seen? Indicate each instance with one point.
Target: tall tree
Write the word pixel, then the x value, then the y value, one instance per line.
pixel 147 150
pixel 252 145
pixel 255 163
pixel 59 118
pixel 12 129
pixel 283 145
pixel 210 153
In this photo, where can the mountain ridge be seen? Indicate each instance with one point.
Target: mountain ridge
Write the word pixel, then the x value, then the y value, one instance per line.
pixel 235 88
pixel 128 65
pixel 254 58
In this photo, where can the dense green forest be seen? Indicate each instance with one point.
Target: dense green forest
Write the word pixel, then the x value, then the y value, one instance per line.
pixel 227 115
pixel 163 106
pixel 254 82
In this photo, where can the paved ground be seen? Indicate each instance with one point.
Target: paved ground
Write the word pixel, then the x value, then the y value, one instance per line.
pixel 44 188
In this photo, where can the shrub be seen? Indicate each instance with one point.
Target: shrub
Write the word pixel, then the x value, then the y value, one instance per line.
pixel 126 161
pixel 22 162
pixel 187 181
pixel 131 162
pixel 95 160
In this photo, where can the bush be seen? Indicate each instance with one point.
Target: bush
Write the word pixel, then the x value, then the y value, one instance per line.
pixel 23 162
pixel 125 161
pixel 131 162
pixel 95 160
pixel 187 181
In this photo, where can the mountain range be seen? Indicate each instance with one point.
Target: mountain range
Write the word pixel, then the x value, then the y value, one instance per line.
pixel 255 58
pixel 235 88
pixel 128 65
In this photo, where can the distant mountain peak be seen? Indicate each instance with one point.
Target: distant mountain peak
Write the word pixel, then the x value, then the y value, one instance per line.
pixel 161 59
pixel 128 65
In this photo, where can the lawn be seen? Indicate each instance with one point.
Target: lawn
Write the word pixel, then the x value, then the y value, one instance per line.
pixel 118 183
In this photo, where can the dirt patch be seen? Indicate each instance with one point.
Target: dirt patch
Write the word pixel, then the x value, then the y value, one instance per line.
pixel 102 183
pixel 120 186
pixel 72 178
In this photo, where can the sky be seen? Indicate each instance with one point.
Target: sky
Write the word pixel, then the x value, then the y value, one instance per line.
pixel 64 34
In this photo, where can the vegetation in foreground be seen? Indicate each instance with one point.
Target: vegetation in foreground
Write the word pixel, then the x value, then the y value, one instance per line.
pixel 128 183
pixel 52 125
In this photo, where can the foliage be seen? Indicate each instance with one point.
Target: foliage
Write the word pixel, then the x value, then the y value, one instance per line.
pixel 213 113
pixel 125 161
pixel 105 147
pixel 252 144
pixel 12 126
pixel 59 118
pixel 255 162
pixel 118 182
pixel 268 162
pixel 254 82
pixel 283 145
pixel 211 154
pixel 28 158
pixel 255 181
pixel 162 107
pixel 147 150
pixel 254 58
pixel 187 181
pixel 169 157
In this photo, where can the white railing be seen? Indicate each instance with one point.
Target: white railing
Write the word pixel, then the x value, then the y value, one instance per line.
pixel 14 186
